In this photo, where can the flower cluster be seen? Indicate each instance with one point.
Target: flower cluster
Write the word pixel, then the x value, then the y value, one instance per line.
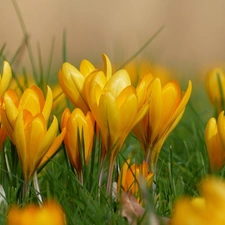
pixel 107 107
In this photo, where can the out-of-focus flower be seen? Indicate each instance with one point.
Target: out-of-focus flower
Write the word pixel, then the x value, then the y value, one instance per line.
pixel 138 69
pixel 205 210
pixel 215 87
pixel 32 100
pixel 79 136
pixel 167 105
pixel 117 107
pixel 215 142
pixel 72 82
pixel 59 100
pixel 5 78
pixel 50 213
pixel 131 176
pixel 33 141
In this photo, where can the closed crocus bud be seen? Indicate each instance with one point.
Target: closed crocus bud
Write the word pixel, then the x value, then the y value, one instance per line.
pixel 50 213
pixel 34 142
pixel 167 105
pixel 79 137
pixel 131 176
pixel 32 100
pixel 72 82
pixel 116 106
pixel 215 142
pixel 215 87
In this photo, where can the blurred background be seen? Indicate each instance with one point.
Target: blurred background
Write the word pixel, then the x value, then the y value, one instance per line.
pixel 194 33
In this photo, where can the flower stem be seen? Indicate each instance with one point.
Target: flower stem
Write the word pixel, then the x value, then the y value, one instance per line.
pixel 37 189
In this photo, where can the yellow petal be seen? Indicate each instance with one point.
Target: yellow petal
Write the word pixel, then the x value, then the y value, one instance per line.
pixel 108 67
pixel 47 141
pixel 32 101
pixel 86 68
pixel 118 82
pixel 71 81
pixel 48 104
pixel 54 147
pixel 108 119
pixel 20 142
pixel 5 78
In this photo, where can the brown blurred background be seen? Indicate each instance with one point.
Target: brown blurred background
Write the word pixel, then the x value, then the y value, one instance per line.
pixel 194 33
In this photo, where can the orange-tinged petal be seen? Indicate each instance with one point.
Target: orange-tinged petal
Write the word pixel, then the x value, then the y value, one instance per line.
pixel 5 77
pixel 65 117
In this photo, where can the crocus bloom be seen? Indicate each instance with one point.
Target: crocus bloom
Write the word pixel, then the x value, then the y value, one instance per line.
pixel 5 78
pixel 50 213
pixel 32 100
pixel 79 136
pixel 72 82
pixel 215 87
pixel 33 141
pixel 205 210
pixel 167 105
pixel 117 107
pixel 215 142
pixel 131 176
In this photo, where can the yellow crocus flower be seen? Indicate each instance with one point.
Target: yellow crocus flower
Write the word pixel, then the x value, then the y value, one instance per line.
pixel 5 78
pixel 167 105
pixel 215 87
pixel 215 142
pixel 205 210
pixel 32 100
pixel 79 131
pixel 50 213
pixel 72 81
pixel 117 107
pixel 34 141
pixel 131 176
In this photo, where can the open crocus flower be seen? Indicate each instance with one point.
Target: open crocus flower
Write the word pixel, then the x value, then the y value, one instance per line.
pixel 131 176
pixel 32 100
pixel 72 81
pixel 167 105
pixel 205 210
pixel 117 107
pixel 50 213
pixel 215 87
pixel 79 137
pixel 215 142
pixel 34 143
